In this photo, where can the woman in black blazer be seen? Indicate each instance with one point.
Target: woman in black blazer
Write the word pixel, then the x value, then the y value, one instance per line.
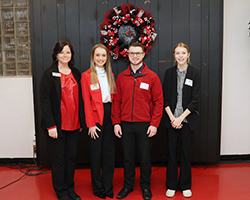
pixel 181 88
pixel 62 117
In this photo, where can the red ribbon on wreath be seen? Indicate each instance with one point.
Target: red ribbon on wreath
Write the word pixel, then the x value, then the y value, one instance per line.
pixel 124 25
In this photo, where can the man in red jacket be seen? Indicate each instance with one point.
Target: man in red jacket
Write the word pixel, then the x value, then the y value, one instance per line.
pixel 136 113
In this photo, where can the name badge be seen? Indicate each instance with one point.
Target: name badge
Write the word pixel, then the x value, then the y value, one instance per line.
pixel 189 82
pixel 56 74
pixel 144 86
pixel 94 87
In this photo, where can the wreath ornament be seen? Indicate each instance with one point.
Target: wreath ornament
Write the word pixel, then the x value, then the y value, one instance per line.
pixel 124 25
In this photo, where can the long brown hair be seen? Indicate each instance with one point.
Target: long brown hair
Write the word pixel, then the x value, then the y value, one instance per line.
pixel 107 67
pixel 181 44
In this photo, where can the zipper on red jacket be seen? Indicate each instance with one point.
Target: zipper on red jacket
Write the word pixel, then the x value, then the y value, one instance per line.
pixel 150 110
pixel 133 101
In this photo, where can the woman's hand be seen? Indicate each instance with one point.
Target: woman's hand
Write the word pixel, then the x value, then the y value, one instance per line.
pixel 173 121
pixel 177 123
pixel 92 132
pixel 53 133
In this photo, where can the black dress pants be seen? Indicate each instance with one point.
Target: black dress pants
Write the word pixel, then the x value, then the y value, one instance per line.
pixel 184 181
pixel 102 155
pixel 135 134
pixel 63 156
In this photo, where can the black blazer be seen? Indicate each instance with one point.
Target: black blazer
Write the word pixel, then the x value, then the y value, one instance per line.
pixel 190 95
pixel 50 97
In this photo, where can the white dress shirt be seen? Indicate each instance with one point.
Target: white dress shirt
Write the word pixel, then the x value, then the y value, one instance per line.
pixel 102 77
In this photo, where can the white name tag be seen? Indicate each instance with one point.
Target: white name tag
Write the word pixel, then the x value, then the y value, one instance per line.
pixel 144 86
pixel 94 87
pixel 56 74
pixel 189 82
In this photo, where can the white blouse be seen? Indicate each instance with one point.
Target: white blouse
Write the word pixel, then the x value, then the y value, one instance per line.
pixel 102 78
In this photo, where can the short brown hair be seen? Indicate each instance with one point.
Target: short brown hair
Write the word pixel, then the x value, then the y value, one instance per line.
pixel 137 44
pixel 58 48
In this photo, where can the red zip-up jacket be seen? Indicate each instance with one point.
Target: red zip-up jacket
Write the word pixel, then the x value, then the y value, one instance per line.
pixel 138 99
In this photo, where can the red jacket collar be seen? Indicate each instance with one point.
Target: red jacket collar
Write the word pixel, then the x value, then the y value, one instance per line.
pixel 127 72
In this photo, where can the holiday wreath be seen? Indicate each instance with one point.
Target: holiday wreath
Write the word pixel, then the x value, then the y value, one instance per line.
pixel 124 25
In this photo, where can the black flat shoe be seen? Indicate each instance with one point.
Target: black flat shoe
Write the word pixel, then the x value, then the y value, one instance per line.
pixel 123 193
pixel 146 194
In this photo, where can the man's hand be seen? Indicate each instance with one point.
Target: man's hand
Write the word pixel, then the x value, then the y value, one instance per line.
pixel 118 130
pixel 152 130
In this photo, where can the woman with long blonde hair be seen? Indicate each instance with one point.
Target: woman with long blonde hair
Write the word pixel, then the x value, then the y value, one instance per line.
pixel 98 87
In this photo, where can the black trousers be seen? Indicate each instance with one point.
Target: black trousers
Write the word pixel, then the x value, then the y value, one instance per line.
pixel 135 134
pixel 63 156
pixel 184 181
pixel 102 155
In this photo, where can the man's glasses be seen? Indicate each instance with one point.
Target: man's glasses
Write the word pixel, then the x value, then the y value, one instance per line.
pixel 135 53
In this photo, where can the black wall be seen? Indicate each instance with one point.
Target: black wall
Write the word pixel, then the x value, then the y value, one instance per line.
pixel 198 23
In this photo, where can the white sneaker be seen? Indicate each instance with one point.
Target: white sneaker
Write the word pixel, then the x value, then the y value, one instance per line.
pixel 170 193
pixel 187 193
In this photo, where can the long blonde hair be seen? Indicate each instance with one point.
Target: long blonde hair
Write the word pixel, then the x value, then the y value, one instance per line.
pixel 107 67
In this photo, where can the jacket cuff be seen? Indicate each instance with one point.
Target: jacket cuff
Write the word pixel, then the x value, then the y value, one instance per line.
pixel 51 128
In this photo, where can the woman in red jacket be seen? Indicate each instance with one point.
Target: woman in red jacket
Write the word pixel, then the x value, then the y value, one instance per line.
pixel 98 85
